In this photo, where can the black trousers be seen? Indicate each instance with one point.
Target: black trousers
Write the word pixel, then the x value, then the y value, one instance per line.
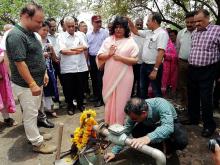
pixel 145 71
pixel 216 93
pixel 86 82
pixel 136 88
pixel 96 76
pixel 178 140
pixel 200 90
pixel 41 114
pixel 73 88
pixel 57 73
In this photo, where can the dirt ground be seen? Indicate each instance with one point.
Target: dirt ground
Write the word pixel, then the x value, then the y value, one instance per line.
pixel 15 149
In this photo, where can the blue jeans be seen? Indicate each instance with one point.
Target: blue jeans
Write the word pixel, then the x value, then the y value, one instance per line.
pixel 145 71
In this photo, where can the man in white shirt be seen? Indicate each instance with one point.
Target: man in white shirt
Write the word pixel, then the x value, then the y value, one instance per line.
pixel 136 68
pixel 73 65
pixel 183 46
pixel 53 38
pixel 83 29
pixel 154 47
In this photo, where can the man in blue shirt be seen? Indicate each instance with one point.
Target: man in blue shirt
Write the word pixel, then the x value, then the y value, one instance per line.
pixel 152 121
pixel 95 39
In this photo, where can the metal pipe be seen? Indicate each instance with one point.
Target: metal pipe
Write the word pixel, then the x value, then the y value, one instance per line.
pixel 153 152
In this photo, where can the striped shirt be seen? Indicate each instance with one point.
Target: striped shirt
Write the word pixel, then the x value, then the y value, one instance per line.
pixel 159 111
pixel 205 48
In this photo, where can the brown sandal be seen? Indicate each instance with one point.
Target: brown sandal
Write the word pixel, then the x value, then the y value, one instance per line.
pixel 51 113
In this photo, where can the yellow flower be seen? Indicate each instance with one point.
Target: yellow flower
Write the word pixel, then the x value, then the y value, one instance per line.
pixel 84 132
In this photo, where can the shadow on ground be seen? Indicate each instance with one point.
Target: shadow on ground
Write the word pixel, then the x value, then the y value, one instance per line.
pixel 15 132
pixel 21 151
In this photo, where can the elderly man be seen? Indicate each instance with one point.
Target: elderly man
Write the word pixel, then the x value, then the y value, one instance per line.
pixel 83 27
pixel 154 47
pixel 203 62
pixel 73 65
pixel 95 39
pixel 28 72
pixel 152 121
pixel 183 46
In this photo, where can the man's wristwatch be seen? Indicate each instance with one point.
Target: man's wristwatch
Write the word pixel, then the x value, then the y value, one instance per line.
pixel 155 69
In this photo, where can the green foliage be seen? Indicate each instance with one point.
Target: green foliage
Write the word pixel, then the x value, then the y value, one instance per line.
pixel 9 9
pixel 172 11
pixel 109 8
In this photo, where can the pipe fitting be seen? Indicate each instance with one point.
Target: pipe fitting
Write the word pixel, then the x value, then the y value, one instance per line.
pixel 118 140
pixel 124 140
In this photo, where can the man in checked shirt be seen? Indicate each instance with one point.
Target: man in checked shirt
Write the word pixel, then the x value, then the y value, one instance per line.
pixel 203 60
pixel 152 121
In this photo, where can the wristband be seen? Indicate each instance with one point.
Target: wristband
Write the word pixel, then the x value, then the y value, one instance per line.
pixel 32 84
pixel 155 69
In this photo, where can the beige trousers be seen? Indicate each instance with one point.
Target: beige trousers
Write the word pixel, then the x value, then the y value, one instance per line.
pixel 30 105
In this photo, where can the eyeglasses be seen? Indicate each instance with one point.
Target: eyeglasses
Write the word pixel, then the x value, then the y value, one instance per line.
pixel 98 21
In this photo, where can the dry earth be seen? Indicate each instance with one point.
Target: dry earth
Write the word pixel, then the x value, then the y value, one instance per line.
pixel 15 149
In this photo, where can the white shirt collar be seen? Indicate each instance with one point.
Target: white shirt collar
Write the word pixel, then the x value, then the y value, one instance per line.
pixel 54 35
pixel 156 30
pixel 67 35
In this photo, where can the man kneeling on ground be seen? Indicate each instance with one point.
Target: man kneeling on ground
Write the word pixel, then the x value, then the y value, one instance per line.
pixel 152 121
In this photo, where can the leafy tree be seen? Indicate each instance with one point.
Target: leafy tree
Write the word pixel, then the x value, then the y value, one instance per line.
pixel 9 9
pixel 172 11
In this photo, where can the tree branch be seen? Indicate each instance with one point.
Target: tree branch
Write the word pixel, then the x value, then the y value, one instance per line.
pixel 172 23
pixel 210 8
pixel 7 20
pixel 182 5
pixel 142 6
pixel 218 6
pixel 218 3
pixel 163 19
pixel 159 9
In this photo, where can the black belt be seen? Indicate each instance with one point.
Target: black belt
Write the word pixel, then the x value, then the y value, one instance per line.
pixel 204 67
pixel 183 60
pixel 176 120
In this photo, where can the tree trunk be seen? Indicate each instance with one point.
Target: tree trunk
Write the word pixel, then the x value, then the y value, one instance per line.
pixel 218 17
pixel 195 5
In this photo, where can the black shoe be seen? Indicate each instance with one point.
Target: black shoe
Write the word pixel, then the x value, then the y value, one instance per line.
pixel 207 132
pixel 93 99
pixel 10 122
pixel 45 123
pixel 99 103
pixel 81 108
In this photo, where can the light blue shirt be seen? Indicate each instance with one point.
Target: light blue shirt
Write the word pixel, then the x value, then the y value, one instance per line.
pixel 95 40
pixel 183 43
